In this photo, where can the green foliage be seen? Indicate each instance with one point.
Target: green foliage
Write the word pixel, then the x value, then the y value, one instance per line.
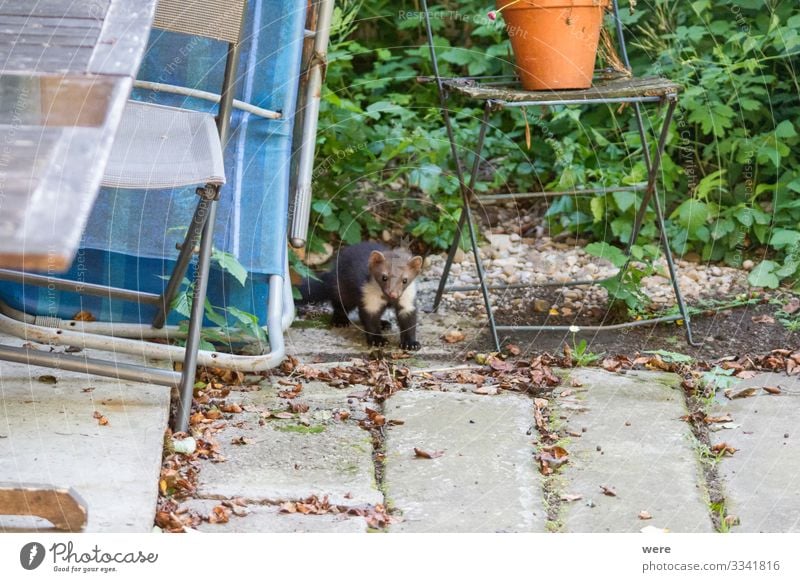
pixel 730 177
pixel 246 324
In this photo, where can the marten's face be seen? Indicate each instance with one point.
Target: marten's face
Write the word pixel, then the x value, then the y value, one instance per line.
pixel 393 274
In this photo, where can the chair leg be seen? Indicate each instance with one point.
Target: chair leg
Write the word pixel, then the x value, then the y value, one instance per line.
pixel 651 193
pixel 184 258
pixel 186 388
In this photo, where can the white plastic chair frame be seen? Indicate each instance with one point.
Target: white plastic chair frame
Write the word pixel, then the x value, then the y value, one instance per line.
pixel 192 17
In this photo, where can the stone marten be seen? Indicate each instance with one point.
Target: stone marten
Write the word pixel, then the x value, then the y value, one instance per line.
pixel 371 277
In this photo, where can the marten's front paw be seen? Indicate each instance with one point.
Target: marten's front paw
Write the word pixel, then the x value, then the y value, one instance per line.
pixel 340 323
pixel 412 346
pixel 376 341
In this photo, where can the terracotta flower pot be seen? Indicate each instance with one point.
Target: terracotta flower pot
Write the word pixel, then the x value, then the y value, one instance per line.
pixel 554 41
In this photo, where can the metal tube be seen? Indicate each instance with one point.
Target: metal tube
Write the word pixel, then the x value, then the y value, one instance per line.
pixel 93 366
pixel 461 219
pixel 531 285
pixel 78 286
pixel 184 258
pixel 581 328
pixel 492 198
pixel 196 321
pixel 590 101
pixel 206 96
pixel 298 232
pixel 228 90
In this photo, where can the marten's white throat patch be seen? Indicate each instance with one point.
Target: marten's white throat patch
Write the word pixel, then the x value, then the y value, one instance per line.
pixel 374 301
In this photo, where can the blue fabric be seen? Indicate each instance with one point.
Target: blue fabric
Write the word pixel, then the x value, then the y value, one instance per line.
pixel 130 233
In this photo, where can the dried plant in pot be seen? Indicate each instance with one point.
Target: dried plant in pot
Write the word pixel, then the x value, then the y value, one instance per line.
pixel 554 41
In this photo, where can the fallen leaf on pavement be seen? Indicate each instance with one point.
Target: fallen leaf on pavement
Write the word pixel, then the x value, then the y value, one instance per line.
pixel 486 390
pixel 745 393
pixel 568 497
pixel 608 490
pixel 426 455
pixel 644 515
pixel 454 336
pixel 101 420
pixel 772 389
pixel 723 449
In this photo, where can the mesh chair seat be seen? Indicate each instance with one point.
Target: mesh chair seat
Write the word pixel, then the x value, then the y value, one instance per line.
pixel 164 147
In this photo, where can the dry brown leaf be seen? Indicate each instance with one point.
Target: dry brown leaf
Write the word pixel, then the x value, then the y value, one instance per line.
pixel 453 336
pixel 231 408
pixel 569 497
pixel 241 440
pixel 644 515
pixel 772 389
pixel 762 319
pixel 84 316
pixel 101 420
pixel 426 455
pixel 608 490
pixel 486 390
pixel 723 449
pixel 744 393
pixel 746 374
pixel 513 349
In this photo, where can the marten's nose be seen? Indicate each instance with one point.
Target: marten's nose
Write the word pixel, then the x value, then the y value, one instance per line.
pixel 393 295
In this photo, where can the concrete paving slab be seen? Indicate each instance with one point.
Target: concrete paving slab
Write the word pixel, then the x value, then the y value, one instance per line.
pixel 284 460
pixel 760 479
pixel 315 341
pixel 485 481
pixel 269 519
pixel 48 435
pixel 635 443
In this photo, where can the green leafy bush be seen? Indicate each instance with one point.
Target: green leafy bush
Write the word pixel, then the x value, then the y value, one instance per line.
pixel 730 177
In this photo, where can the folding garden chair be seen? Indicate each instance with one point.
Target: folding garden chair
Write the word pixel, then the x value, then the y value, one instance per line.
pixel 161 147
pixel 608 89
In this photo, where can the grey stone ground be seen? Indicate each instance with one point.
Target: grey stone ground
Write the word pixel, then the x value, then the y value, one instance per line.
pixel 48 435
pixel 625 434
pixel 761 478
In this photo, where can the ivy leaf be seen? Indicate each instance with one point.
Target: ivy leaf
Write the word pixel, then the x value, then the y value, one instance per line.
pixel 606 251
pixel 782 238
pixel 230 264
pixel 624 200
pixel 598 206
pixel 785 129
pixel 764 275
pixel 692 214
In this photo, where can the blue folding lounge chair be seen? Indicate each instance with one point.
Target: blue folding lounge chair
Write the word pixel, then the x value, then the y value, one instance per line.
pixel 130 241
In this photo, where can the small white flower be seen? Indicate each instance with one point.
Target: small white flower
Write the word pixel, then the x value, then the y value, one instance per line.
pixel 574 329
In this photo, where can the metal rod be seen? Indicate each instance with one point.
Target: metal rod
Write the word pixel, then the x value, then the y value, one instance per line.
pixel 196 321
pixel 78 286
pixel 93 366
pixel 437 300
pixel 206 96
pixel 590 101
pixel 462 218
pixel 491 198
pixel 581 328
pixel 228 89
pixel 531 285
pixel 184 258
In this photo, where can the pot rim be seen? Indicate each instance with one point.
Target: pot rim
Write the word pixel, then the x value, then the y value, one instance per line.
pixel 549 4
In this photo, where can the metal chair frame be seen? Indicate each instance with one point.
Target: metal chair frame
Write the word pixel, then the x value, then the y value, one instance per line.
pixel 115 337
pixel 652 163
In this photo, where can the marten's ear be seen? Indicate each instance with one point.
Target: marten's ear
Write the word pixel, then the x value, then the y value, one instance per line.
pixel 376 258
pixel 415 264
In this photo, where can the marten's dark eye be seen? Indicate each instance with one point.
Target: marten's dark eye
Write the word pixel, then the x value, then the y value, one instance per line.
pixel 385 278
pixel 405 280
